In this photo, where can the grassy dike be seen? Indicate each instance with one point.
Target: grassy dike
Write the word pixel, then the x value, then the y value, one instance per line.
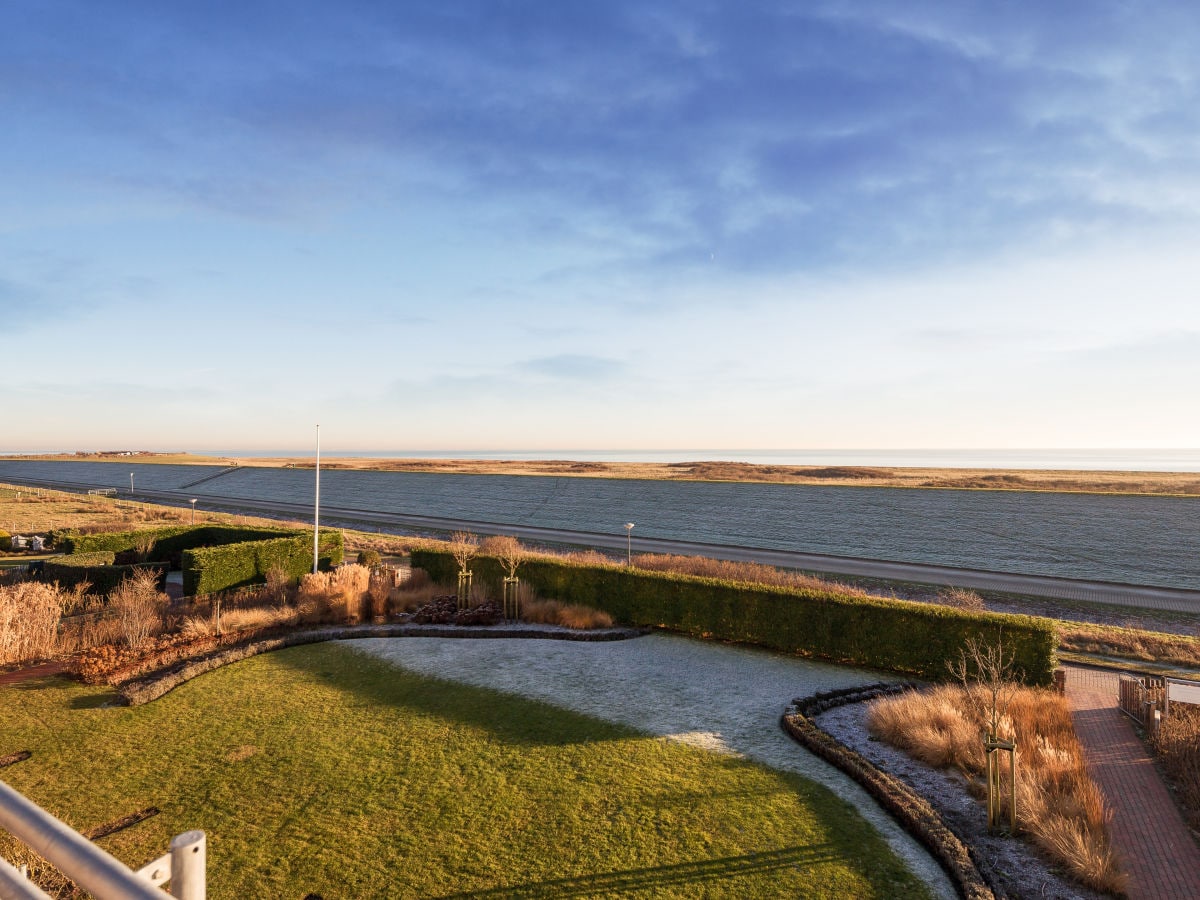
pixel 317 769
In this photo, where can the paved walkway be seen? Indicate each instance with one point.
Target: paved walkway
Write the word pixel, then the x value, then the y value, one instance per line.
pixel 1162 860
pixel 41 670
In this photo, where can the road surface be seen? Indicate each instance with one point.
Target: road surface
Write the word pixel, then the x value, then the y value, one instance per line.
pixel 1141 596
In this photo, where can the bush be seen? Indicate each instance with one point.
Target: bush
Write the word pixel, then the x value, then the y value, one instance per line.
pixel 207 570
pixel 5 541
pixel 138 605
pixel 914 638
pixel 97 570
pixel 163 544
pixel 370 558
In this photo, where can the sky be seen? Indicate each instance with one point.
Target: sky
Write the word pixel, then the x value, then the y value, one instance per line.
pixel 564 225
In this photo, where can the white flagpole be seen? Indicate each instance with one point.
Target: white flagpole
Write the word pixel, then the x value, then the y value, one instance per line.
pixel 317 506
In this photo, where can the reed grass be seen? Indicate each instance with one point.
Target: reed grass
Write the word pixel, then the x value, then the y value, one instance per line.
pixel 1178 747
pixel 1058 805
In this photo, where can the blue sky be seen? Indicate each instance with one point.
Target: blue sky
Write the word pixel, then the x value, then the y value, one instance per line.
pixel 585 225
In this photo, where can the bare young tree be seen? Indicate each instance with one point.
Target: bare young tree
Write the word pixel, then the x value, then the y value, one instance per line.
pixel 463 547
pixel 507 550
pixel 989 680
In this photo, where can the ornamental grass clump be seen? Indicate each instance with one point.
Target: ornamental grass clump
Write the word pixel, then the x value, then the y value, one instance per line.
pixel 29 617
pixel 1058 805
pixel 138 606
pixel 1177 744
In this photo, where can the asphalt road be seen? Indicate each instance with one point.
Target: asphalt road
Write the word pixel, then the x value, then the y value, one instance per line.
pixel 1142 596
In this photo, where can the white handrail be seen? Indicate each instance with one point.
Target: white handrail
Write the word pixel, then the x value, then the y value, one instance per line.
pixel 15 886
pixel 90 867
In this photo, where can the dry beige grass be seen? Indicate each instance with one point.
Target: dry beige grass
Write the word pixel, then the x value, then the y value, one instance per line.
pixel 959 598
pixel 240 619
pixel 334 596
pixel 1058 805
pixel 731 570
pixel 1132 643
pixel 29 617
pixel 138 606
pixel 1178 746
pixel 569 615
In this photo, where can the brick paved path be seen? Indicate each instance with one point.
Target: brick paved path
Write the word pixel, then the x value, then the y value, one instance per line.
pixel 1162 860
pixel 41 670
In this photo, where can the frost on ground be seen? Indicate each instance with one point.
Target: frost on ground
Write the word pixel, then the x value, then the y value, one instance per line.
pixel 721 698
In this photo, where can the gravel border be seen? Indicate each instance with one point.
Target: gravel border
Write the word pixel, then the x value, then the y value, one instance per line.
pixel 1012 867
pixel 150 687
pixel 905 805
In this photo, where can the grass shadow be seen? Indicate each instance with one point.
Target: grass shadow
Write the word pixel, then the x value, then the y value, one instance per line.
pixel 650 878
pixel 512 719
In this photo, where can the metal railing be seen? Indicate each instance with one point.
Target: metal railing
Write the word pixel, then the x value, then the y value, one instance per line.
pixel 94 870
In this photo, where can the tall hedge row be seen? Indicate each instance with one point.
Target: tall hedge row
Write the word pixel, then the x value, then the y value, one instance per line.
pixel 97 569
pixel 914 638
pixel 167 541
pixel 210 569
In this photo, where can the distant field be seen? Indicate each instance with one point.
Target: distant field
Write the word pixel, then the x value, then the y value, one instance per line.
pixel 1168 483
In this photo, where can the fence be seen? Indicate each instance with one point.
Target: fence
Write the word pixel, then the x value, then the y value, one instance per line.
pixel 104 876
pixel 1144 699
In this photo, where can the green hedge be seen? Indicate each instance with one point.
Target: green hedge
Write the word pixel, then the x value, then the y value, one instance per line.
pixel 97 569
pixel 914 638
pixel 207 570
pixel 168 541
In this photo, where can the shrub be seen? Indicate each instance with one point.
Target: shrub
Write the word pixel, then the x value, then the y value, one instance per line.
pixel 379 589
pixel 207 570
pixel 164 543
pixel 1178 746
pixel 569 615
pixel 914 638
pixel 97 570
pixel 138 606
pixel 959 598
pixel 370 558
pixel 5 541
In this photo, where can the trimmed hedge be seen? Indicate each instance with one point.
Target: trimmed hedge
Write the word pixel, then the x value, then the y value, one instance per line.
pixel 207 570
pixel 898 635
pixel 97 569
pixel 168 541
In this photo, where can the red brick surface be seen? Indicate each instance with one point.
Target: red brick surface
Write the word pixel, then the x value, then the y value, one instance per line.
pixel 1159 854
pixel 17 676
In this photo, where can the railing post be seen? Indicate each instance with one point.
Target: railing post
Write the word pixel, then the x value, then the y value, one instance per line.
pixel 189 853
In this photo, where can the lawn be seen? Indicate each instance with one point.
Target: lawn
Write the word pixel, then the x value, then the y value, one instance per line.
pixel 322 770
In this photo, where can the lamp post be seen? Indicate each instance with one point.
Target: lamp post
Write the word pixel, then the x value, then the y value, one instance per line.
pixel 130 484
pixel 193 502
pixel 629 543
pixel 317 506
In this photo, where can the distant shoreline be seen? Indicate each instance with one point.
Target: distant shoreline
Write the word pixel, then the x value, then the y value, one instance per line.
pixel 1179 484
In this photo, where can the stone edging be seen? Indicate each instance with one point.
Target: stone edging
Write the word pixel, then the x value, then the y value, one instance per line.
pixel 151 687
pixel 912 811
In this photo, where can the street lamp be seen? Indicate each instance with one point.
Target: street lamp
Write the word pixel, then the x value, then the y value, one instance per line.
pixel 317 505
pixel 629 543
pixel 130 484
pixel 193 502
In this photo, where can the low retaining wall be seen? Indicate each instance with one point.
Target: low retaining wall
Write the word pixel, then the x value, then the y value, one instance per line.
pixel 907 807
